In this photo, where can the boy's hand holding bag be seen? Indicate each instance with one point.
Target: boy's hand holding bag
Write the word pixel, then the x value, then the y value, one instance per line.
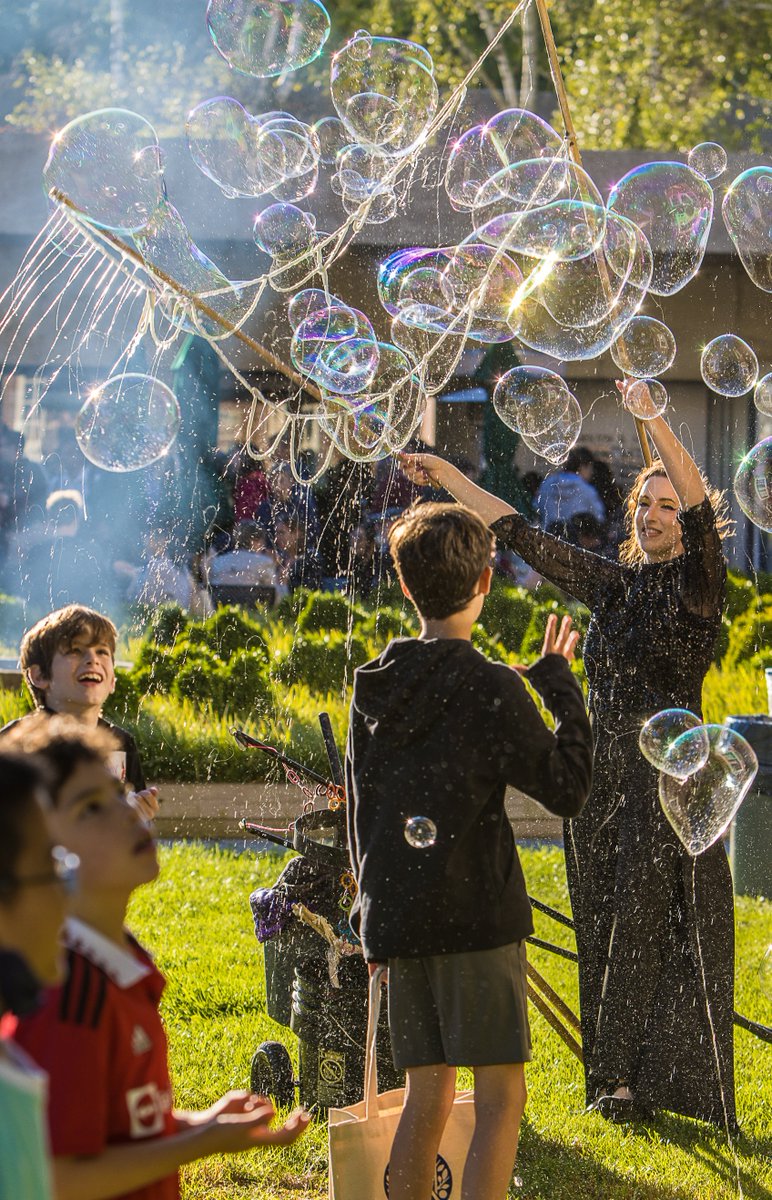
pixel 360 1137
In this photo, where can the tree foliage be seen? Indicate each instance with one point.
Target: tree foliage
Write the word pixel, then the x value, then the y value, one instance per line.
pixel 643 75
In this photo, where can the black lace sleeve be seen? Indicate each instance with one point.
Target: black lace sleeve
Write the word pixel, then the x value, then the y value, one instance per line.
pixel 703 566
pixel 579 573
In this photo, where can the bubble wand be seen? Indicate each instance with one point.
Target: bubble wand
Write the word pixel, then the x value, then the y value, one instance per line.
pixel 80 220
pixel 575 155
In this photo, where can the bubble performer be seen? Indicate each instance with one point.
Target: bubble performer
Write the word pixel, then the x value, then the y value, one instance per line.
pixel 654 927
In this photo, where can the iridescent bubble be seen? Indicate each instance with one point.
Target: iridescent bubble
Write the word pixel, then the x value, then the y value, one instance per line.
pixel 555 442
pixel 515 135
pixel 701 807
pixel 308 301
pixel 646 399
pixel 333 137
pixel 337 348
pixel 166 244
pixel 420 832
pixel 283 229
pixel 747 212
pixel 414 279
pixel 384 91
pixel 728 366
pixel 707 159
pixel 482 282
pixel 660 742
pixel 673 206
pixel 530 400
pixel 108 165
pixel 381 420
pixel 267 37
pixel 753 485
pixel 762 395
pixel 645 348
pixel 128 422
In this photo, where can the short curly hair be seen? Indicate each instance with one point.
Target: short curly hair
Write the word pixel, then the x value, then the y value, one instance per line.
pixel 57 631
pixel 440 552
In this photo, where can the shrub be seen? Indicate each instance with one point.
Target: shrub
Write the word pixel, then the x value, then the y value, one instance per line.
pixel 122 705
pixel 228 630
pixel 328 610
pixel 167 623
pixel 201 678
pixel 507 613
pixel 533 638
pixel 154 669
pixel 289 607
pixel 387 623
pixel 324 661
pixel 749 634
pixel 740 595
pixel 491 647
pixel 247 688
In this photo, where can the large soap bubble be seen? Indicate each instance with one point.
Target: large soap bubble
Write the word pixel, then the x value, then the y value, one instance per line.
pixel 337 348
pixel 729 366
pixel 645 348
pixel 531 400
pixel 166 244
pixel 384 91
pixel 555 442
pixel 660 742
pixel 762 395
pixel 753 485
pixel 108 164
pixel 747 212
pixel 267 37
pixel 128 422
pixel 707 159
pixel 249 156
pixel 510 137
pixel 673 205
pixel 646 399
pixel 701 807
pixel 482 282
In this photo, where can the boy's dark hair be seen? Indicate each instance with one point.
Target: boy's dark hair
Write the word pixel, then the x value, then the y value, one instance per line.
pixel 440 552
pixel 23 781
pixel 62 744
pixel 57 631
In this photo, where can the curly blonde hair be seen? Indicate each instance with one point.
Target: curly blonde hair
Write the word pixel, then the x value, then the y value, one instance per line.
pixel 630 552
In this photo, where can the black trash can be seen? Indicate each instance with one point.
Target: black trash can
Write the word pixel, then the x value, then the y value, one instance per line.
pixel 750 840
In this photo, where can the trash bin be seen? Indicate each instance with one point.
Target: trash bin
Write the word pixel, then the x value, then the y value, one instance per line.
pixel 750 839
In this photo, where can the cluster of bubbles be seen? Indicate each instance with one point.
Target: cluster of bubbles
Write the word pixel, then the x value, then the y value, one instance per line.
pixel 705 771
pixel 420 832
pixel 546 264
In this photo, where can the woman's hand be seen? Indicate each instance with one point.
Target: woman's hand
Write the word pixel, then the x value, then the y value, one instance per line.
pixel 561 641
pixel 427 470
pixel 645 406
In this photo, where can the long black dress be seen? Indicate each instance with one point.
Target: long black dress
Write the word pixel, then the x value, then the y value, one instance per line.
pixel 654 927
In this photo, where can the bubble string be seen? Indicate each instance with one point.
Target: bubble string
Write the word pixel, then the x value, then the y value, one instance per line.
pixel 573 150
pixel 191 297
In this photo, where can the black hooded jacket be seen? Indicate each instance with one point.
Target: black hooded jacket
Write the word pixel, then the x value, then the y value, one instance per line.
pixel 437 730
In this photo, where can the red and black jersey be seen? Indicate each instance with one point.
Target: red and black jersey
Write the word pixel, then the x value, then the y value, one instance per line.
pixel 100 1038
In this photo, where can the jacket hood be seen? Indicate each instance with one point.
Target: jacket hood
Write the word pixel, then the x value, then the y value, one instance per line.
pixel 405 691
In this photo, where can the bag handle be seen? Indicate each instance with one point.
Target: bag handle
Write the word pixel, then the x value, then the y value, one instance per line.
pixel 371 1053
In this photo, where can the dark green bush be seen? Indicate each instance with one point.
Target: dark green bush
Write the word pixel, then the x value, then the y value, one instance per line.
pixel 387 623
pixel 289 607
pixel 324 661
pixel 328 610
pixel 246 681
pixel 491 646
pixel 226 631
pixel 201 677
pixel 167 623
pixel 533 638
pixel 507 613
pixel 749 635
pixel 154 669
pixel 122 705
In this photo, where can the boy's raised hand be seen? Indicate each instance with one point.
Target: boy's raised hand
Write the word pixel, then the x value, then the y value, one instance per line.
pixel 241 1121
pixel 145 802
pixel 561 641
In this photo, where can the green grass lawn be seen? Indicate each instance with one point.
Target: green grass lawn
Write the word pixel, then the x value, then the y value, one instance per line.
pixel 196 920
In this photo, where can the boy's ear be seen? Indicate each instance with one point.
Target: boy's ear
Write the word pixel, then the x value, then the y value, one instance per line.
pixel 36 678
pixel 484 582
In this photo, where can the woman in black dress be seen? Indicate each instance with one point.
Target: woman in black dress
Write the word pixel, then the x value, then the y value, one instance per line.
pixel 654 927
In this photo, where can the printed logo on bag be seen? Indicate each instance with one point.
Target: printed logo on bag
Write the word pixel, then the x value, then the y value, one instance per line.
pixel 332 1067
pixel 443 1181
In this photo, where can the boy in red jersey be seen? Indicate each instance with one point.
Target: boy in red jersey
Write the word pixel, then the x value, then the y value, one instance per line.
pixel 114 1130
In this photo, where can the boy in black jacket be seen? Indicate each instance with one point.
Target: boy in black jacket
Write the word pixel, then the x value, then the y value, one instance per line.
pixel 436 733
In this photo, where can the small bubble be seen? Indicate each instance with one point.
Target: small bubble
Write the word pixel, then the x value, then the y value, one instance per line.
pixel 420 832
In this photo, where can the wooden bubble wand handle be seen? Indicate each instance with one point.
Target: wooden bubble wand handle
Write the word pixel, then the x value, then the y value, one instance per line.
pixel 573 150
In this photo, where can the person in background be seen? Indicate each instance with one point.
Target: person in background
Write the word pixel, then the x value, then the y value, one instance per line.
pixel 33 877
pixel 250 562
pixel 164 578
pixel 299 563
pixel 68 662
pixel 569 491
pixel 114 1129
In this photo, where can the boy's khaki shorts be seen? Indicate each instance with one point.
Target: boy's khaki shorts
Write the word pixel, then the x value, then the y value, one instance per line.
pixel 466 1010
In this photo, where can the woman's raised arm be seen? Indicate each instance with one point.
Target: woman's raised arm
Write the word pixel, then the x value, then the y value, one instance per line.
pixel 429 469
pixel 680 467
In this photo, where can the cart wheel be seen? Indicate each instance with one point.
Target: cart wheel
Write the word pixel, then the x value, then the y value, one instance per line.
pixel 271 1073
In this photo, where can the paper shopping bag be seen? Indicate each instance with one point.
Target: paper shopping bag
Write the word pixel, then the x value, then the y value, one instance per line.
pixel 360 1137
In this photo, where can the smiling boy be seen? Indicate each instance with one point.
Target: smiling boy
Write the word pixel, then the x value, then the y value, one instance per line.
pixel 68 662
pixel 99 1036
